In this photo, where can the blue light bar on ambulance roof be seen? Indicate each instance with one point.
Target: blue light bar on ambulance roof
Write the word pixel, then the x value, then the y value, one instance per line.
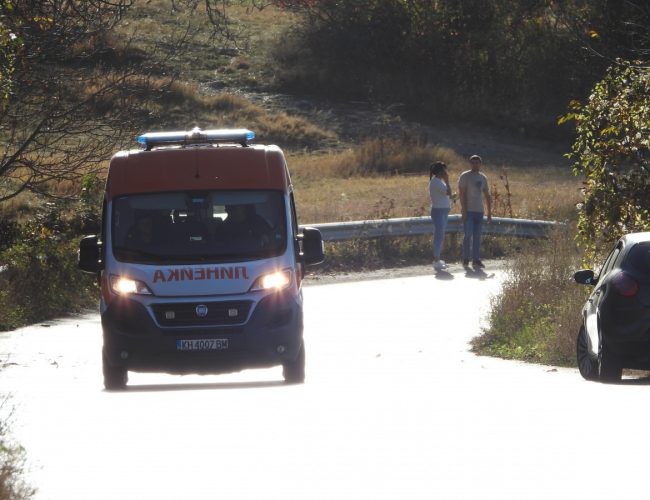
pixel 196 136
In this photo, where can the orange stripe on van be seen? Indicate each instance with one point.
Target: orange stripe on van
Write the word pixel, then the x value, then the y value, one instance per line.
pixel 194 168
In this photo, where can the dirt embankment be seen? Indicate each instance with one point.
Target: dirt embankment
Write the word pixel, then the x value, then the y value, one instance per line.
pixel 354 121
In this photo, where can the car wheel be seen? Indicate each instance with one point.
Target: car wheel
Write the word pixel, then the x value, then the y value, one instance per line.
pixel 294 371
pixel 115 377
pixel 609 367
pixel 587 362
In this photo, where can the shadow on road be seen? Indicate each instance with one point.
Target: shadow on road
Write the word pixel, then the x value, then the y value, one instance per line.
pixel 444 276
pixel 478 274
pixel 202 387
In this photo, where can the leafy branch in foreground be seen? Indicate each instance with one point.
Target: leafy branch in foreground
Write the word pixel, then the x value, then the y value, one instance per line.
pixel 68 103
pixel 12 462
pixel 72 92
pixel 612 151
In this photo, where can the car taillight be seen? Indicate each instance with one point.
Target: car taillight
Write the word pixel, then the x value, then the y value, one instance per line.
pixel 625 285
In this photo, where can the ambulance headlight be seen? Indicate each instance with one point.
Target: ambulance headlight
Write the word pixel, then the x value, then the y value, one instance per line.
pixel 122 285
pixel 277 280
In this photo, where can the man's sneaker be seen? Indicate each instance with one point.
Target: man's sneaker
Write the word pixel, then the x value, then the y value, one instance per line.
pixel 439 265
pixel 466 263
pixel 478 264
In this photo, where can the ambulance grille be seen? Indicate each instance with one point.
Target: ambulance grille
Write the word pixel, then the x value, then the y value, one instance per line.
pixel 202 313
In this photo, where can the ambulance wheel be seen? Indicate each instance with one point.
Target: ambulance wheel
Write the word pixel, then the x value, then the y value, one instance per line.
pixel 294 371
pixel 115 377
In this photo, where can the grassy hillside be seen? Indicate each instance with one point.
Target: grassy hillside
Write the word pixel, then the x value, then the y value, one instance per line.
pixel 355 153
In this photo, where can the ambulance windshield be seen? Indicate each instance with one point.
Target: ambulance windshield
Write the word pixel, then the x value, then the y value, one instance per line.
pixel 188 227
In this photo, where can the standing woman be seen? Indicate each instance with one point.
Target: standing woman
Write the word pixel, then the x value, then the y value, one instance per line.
pixel 440 193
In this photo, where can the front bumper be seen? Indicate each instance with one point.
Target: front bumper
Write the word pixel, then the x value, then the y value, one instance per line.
pixel 271 336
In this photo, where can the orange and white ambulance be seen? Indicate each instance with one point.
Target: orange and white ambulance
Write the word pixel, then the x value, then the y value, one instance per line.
pixel 200 258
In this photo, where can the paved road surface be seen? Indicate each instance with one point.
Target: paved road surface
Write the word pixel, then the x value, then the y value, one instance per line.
pixel 394 407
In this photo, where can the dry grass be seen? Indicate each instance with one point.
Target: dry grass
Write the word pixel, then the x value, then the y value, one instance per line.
pixel 360 182
pixel 243 59
pixel 539 193
pixel 344 186
pixel 182 105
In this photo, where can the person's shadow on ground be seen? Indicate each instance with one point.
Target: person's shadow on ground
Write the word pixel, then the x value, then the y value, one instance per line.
pixel 444 275
pixel 477 274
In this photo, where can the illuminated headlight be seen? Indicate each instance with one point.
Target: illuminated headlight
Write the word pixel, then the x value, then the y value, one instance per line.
pixel 126 286
pixel 273 281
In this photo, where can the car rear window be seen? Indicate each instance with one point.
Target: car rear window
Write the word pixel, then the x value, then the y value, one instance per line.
pixel 639 258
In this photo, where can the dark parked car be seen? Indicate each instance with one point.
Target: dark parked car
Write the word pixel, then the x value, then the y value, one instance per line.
pixel 615 332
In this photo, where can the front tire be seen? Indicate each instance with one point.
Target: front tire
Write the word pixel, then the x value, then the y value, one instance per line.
pixel 115 377
pixel 587 362
pixel 294 371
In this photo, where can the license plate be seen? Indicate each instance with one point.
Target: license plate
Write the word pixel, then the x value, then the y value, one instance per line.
pixel 202 345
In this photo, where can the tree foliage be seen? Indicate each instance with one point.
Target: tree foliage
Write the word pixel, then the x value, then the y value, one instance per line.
pixel 9 45
pixel 72 92
pixel 512 62
pixel 612 151
pixel 55 123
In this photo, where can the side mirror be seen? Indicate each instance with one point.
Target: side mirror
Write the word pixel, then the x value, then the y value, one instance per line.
pixel 90 254
pixel 313 251
pixel 585 277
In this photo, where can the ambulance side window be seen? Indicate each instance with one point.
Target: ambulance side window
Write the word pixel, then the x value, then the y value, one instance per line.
pixel 300 267
pixel 294 217
pixel 103 231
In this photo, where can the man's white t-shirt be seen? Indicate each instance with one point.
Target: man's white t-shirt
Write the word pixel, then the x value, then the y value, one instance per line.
pixel 475 184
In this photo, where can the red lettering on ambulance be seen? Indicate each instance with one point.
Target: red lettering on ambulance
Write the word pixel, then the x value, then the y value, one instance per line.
pixel 204 273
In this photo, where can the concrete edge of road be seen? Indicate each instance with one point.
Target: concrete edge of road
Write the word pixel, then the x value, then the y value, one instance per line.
pixel 316 278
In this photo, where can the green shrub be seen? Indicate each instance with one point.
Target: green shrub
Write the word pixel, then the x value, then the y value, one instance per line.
pixel 466 59
pixel 42 281
pixel 537 314
pixel 39 277
pixel 611 152
pixel 8 233
pixel 12 461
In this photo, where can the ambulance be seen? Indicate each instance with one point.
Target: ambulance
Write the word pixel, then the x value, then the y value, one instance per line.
pixel 200 258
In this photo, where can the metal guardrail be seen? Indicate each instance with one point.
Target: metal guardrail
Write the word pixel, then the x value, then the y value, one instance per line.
pixel 411 226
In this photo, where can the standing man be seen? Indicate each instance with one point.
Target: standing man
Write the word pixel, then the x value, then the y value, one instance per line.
pixel 473 189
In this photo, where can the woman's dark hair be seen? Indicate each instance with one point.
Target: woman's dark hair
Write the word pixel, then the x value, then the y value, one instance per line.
pixel 436 168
